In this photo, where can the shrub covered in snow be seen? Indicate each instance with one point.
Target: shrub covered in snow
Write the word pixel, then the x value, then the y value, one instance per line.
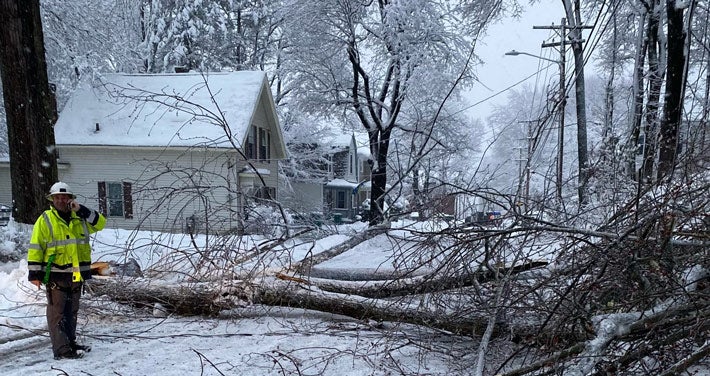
pixel 14 239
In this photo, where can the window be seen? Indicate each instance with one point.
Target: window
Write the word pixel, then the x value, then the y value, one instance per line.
pixel 267 193
pixel 340 200
pixel 251 143
pixel 264 144
pixel 258 144
pixel 115 199
pixel 641 144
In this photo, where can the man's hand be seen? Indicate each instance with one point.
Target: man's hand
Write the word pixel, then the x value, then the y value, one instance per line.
pixel 74 206
pixel 36 282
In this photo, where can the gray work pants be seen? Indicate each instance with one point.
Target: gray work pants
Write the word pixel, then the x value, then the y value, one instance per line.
pixel 62 310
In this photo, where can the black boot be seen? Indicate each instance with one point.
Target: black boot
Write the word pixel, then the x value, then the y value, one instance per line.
pixel 77 347
pixel 69 355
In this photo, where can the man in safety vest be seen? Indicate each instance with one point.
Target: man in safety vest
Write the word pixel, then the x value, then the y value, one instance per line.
pixel 60 258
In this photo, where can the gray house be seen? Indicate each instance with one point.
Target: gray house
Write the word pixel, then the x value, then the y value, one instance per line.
pixel 183 152
pixel 342 184
pixel 348 183
pixel 5 185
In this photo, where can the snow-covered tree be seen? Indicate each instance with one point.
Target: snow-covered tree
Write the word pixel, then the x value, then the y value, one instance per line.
pixel 365 59
pixel 86 37
pixel 210 34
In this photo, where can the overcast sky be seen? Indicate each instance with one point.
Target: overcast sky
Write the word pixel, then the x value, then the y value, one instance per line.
pixel 500 71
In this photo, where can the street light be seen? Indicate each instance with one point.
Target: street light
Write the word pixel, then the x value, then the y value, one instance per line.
pixel 563 101
pixel 516 53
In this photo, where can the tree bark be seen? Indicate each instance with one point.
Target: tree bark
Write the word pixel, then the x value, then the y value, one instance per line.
pixel 637 144
pixel 30 107
pixel 655 77
pixel 672 110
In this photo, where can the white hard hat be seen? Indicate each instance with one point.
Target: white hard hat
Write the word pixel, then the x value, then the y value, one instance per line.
pixel 59 188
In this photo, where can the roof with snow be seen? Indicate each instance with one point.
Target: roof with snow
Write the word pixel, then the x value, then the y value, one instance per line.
pixel 181 109
pixel 341 183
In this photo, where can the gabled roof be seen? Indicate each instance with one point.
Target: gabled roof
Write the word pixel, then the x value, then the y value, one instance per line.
pixel 181 109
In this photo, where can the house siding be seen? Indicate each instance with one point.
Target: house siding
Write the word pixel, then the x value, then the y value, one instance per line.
pixel 263 119
pixel 5 184
pixel 303 197
pixel 172 188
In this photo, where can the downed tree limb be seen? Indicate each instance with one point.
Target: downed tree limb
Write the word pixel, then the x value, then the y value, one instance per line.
pixel 414 285
pixel 690 360
pixel 692 317
pixel 184 299
pixel 304 266
pixel 267 246
pixel 210 299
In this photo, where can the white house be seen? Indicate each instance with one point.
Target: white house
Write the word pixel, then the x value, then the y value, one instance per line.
pixel 172 152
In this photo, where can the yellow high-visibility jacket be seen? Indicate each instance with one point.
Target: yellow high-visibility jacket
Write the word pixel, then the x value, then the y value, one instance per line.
pixel 60 251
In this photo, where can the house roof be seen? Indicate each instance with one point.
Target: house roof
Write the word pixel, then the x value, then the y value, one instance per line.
pixel 182 109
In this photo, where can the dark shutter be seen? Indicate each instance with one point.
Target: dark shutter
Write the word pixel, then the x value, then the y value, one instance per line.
pixel 127 200
pixel 102 198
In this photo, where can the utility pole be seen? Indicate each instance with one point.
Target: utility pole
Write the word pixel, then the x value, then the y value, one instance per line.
pixel 562 100
pixel 573 33
pixel 524 163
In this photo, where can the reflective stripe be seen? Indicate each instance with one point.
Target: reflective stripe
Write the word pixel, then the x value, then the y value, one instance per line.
pixel 73 269
pixel 49 225
pixel 36 247
pixel 86 232
pixel 93 217
pixel 66 242
pixel 34 267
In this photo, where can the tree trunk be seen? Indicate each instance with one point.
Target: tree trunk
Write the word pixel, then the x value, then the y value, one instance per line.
pixel 211 299
pixel 379 179
pixel 655 77
pixel 373 288
pixel 637 145
pixel 672 110
pixel 30 106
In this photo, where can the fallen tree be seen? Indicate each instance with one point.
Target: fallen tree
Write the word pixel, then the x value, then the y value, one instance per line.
pixel 373 288
pixel 493 281
pixel 211 299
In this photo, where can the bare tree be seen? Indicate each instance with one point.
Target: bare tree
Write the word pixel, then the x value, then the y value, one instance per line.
pixel 675 81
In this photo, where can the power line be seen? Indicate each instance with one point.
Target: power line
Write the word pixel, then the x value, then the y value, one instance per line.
pixel 501 91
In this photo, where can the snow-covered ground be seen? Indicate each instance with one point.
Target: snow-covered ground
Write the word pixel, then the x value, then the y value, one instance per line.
pixel 253 340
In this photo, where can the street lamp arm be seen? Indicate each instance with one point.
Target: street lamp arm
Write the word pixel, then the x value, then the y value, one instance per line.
pixel 516 53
